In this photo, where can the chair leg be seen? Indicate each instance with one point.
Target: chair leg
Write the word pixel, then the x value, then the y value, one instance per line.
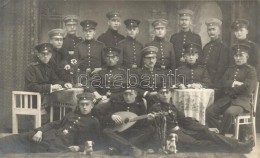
pixel 37 121
pixel 237 127
pixel 254 129
pixel 51 113
pixel 14 124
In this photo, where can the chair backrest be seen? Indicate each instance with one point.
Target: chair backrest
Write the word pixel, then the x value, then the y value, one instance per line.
pixel 26 100
pixel 254 98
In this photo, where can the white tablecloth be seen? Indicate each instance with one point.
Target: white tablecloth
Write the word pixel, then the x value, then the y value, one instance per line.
pixel 193 102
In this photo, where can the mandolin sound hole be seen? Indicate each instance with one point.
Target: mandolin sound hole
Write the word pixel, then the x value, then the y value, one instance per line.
pixel 126 120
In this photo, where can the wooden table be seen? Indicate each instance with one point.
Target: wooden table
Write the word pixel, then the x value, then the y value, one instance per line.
pixel 193 102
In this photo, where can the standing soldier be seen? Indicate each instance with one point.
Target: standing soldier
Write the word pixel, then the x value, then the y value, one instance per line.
pixel 130 47
pixel 58 60
pixel 165 55
pixel 215 53
pixel 89 51
pixel 240 29
pixel 111 37
pixel 71 40
pixel 184 36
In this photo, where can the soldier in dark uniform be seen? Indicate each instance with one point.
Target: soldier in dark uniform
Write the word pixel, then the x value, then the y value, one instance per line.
pixel 148 76
pixel 109 80
pixel 130 140
pixel 240 29
pixel 41 77
pixel 237 83
pixel 184 36
pixel 215 53
pixel 191 134
pixel 193 75
pixel 130 47
pixel 111 37
pixel 68 134
pixel 71 40
pixel 89 51
pixel 58 60
pixel 166 54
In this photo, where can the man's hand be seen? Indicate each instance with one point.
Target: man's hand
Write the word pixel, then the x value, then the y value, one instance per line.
pixel 237 83
pixel 118 120
pixel 96 70
pixel 37 137
pixel 74 148
pixel 67 67
pixel 214 130
pixel 68 85
pixel 151 116
pixel 56 87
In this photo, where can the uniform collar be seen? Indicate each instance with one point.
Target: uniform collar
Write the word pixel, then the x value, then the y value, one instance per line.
pixel 148 69
pixel 130 38
pixel 241 66
pixel 71 36
pixel 242 41
pixel 114 32
pixel 158 39
pixel 216 40
pixel 191 66
pixel 184 32
pixel 89 41
pixel 112 67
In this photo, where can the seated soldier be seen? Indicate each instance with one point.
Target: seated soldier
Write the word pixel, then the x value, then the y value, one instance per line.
pixel 237 83
pixel 40 76
pixel 149 76
pixel 109 80
pixel 130 140
pixel 191 134
pixel 191 74
pixel 68 134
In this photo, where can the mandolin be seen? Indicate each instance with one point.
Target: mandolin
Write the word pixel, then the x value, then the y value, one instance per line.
pixel 129 119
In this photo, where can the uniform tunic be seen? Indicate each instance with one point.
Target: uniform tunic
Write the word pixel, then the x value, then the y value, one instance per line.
pixel 254 55
pixel 69 45
pixel 215 56
pixel 109 80
pixel 89 53
pixel 73 129
pixel 39 77
pixel 111 38
pixel 193 74
pixel 179 39
pixel 166 56
pixel 191 134
pixel 131 52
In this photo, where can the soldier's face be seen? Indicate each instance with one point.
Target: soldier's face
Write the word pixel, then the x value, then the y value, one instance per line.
pixel 241 33
pixel 111 60
pixel 114 23
pixel 85 106
pixel 44 57
pixel 57 42
pixel 132 32
pixel 71 28
pixel 150 61
pixel 213 32
pixel 185 22
pixel 129 96
pixel 164 96
pixel 241 58
pixel 191 58
pixel 89 34
pixel 160 32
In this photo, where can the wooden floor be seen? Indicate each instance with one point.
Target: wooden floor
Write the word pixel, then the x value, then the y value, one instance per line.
pixel 100 154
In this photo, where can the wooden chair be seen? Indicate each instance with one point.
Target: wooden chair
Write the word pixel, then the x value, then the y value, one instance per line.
pixel 248 118
pixel 25 103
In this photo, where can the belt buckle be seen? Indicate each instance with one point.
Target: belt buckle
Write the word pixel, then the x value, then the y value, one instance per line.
pixel 71 52
pixel 163 66
pixel 134 66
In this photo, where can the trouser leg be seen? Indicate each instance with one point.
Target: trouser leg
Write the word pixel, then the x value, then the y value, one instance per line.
pixel 215 110
pixel 228 118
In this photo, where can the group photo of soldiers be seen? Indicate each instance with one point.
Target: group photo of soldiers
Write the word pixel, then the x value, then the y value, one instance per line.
pixel 121 76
